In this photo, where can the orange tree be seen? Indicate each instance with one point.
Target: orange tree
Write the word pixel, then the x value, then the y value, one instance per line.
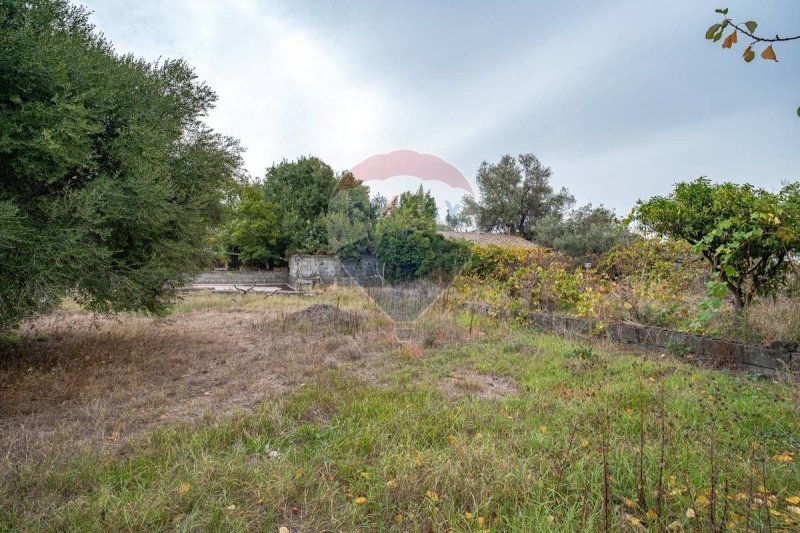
pixel 746 234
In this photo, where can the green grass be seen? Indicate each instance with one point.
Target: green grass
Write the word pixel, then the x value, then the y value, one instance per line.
pixel 426 460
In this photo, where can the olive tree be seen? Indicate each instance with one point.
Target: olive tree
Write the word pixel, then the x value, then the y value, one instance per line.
pixel 109 179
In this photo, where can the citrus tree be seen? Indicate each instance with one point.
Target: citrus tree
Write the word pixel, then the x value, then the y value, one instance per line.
pixel 748 235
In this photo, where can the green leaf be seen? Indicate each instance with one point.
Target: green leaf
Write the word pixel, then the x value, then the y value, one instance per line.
pixel 751 25
pixel 730 271
pixel 712 31
pixel 722 10
pixel 798 111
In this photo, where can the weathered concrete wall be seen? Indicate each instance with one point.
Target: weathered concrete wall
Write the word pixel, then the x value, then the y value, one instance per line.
pixel 715 351
pixel 243 277
pixel 330 269
pixel 721 352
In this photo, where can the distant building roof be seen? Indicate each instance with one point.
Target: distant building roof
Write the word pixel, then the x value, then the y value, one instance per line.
pixel 485 239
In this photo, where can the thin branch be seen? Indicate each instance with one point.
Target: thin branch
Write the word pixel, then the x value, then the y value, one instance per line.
pixel 757 39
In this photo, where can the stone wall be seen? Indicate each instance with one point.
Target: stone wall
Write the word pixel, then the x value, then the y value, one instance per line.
pixel 243 277
pixel 720 352
pixel 331 269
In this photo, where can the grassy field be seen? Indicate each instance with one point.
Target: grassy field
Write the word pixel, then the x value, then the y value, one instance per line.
pixel 336 420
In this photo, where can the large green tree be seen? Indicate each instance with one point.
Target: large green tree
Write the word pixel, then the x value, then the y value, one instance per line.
pixel 746 234
pixel 515 193
pixel 302 190
pixel 108 177
pixel 408 246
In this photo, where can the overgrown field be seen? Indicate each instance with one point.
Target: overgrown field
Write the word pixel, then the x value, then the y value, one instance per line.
pixel 261 413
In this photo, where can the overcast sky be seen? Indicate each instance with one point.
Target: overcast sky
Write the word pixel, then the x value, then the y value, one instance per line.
pixel 620 98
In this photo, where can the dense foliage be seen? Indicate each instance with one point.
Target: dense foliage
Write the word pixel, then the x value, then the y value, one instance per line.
pixel 408 246
pixel 746 234
pixel 584 231
pixel 108 177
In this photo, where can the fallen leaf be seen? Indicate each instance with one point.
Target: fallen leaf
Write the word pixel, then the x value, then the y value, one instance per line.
pixel 361 500
pixel 183 488
pixel 634 521
pixel 701 500
pixel 468 515
pixel 543 428
pixel 551 519
pixel 481 521
pixel 585 444
pixel 178 518
pixel 628 502
pixel 433 496
pixel 398 518
pixel 452 439
pixel 231 507
pixel 365 475
pixel 690 513
pixel 794 500
pixel 284 529
pixel 391 484
pixel 478 436
pixel 652 514
pixel 794 509
pixel 675 526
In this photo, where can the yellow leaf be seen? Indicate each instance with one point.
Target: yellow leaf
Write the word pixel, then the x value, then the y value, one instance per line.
pixel 773 512
pixel 634 521
pixel 651 379
pixel 284 529
pixel 432 495
pixel 794 500
pixel 481 521
pixel 701 500
pixel 391 484
pixel 398 518
pixel 183 488
pixel 652 514
pixel 365 475
pixel 468 515
pixel 690 513
pixel 741 496
pixel 628 502
pixel 769 53
pixel 361 500
pixel 729 40
pixel 231 507
pixel 585 444
pixel 478 436
pixel 452 439
pixel 794 509
pixel 543 428
pixel 551 519
pixel 178 518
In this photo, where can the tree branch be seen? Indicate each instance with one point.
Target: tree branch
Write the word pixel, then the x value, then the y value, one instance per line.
pixel 757 39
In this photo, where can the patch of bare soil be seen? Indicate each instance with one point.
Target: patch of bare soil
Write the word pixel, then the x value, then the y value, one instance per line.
pixel 325 314
pixel 83 380
pixel 464 382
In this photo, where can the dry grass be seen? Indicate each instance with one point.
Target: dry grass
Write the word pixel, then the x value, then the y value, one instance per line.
pixel 467 423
